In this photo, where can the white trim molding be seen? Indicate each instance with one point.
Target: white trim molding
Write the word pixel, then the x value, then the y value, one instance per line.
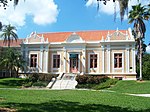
pixel 46 60
pixel 108 58
pixel 65 60
pixel 127 60
pixel 103 59
pixel 26 58
pixel 84 61
pixel 41 58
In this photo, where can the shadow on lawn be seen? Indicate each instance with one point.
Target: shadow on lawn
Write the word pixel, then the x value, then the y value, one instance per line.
pixel 12 83
pixel 66 106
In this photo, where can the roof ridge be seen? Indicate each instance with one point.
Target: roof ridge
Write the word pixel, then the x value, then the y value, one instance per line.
pixel 78 31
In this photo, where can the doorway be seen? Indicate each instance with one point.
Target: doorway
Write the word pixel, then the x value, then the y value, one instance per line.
pixel 74 63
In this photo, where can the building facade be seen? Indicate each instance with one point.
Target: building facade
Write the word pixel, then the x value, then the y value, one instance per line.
pixel 101 52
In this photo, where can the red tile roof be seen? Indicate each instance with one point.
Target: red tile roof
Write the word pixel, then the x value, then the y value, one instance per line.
pixel 63 36
pixel 85 35
pixel 12 44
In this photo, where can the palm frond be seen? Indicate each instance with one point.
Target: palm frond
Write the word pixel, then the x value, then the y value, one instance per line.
pixel 8 34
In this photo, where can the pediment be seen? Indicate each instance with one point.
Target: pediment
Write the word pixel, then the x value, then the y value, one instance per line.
pixel 74 38
pixel 118 36
pixel 34 38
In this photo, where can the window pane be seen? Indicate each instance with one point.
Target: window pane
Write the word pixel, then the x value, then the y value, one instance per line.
pixel 33 61
pixel 120 55
pixel 95 63
pixel 58 64
pixel 91 56
pixel 115 65
pixel 118 60
pixel 91 63
pixel 120 65
pixel 96 56
pixel 56 61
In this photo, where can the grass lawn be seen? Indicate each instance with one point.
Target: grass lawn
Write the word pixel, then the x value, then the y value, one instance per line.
pixel 11 82
pixel 77 100
pixel 72 101
pixel 136 87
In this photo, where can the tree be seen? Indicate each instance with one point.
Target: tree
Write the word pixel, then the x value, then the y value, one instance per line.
pixel 123 5
pixel 146 67
pixel 5 3
pixel 12 61
pixel 137 16
pixel 8 34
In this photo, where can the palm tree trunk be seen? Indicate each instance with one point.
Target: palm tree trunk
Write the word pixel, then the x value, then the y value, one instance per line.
pixel 140 59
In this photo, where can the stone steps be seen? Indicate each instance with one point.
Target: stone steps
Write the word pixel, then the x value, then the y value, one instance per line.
pixel 67 82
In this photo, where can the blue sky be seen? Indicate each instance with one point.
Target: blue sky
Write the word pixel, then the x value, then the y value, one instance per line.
pixel 64 15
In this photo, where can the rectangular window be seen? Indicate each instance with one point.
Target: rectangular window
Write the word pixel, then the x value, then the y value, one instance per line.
pixel 33 60
pixel 93 60
pixel 118 60
pixel 56 61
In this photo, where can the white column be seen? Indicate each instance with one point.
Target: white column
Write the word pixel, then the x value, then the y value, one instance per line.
pixel 103 60
pixel 84 61
pixel 27 58
pixel 65 59
pixel 123 62
pixel 79 58
pixel 46 60
pixel 133 60
pixel 41 58
pixel 23 55
pixel 127 60
pixel 108 58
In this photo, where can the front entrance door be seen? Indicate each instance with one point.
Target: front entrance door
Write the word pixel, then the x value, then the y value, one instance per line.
pixel 74 63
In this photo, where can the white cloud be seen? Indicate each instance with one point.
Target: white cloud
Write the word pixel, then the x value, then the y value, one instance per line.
pixel 109 7
pixel 41 12
pixel 148 49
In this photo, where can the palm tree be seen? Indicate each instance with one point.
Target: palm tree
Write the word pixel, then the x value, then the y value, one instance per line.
pixel 8 34
pixel 12 61
pixel 5 3
pixel 123 5
pixel 137 16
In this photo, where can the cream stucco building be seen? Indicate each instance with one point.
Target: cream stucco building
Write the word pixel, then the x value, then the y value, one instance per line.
pixel 100 52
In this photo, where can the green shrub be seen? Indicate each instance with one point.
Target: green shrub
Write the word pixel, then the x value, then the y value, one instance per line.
pixel 40 84
pixel 81 79
pixel 85 86
pixel 37 79
pixel 28 84
pixel 106 84
pixel 89 79
pixel 33 77
pixel 47 77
